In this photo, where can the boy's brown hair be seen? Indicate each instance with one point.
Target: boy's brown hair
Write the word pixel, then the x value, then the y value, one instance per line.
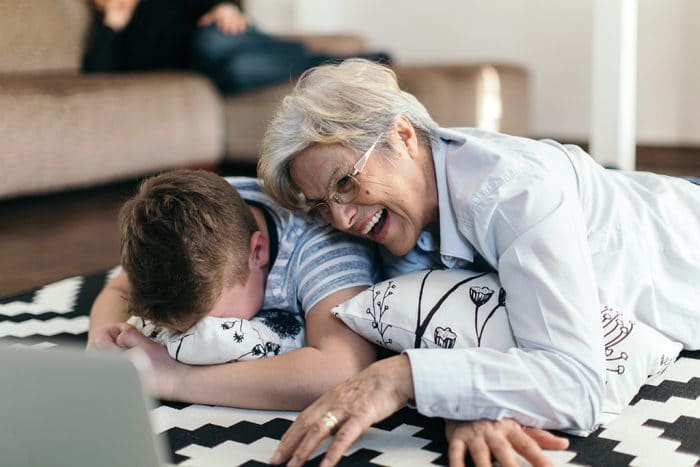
pixel 184 237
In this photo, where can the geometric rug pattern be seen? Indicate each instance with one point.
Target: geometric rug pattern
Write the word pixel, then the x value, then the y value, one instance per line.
pixel 660 427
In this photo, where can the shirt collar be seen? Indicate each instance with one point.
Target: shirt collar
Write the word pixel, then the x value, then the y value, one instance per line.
pixel 452 242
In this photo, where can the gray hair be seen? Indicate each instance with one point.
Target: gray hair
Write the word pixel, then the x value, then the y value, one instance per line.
pixel 351 103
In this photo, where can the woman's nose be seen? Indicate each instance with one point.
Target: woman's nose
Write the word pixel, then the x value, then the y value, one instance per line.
pixel 342 216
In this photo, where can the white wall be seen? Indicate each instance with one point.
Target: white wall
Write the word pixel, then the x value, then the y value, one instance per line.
pixel 551 38
pixel 690 112
pixel 660 74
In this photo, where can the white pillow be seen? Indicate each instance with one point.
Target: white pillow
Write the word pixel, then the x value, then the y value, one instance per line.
pixel 457 308
pixel 221 340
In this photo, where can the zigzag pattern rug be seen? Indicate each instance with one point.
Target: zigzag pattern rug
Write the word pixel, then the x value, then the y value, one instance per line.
pixel 661 427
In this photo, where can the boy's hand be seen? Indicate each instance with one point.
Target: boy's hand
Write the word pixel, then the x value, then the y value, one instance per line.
pixel 228 19
pixel 165 374
pixel 484 439
pixel 105 337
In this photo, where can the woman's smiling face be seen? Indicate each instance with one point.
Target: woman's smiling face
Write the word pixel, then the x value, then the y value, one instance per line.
pixel 396 199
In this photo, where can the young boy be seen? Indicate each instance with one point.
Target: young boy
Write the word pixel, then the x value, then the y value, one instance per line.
pixel 195 245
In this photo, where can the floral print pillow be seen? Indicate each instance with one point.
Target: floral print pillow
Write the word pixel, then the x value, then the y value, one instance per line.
pixel 433 308
pixel 221 340
pixel 457 309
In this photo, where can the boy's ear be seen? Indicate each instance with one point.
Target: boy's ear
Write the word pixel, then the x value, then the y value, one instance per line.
pixel 259 251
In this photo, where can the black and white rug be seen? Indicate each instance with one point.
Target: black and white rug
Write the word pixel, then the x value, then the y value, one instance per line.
pixel 661 427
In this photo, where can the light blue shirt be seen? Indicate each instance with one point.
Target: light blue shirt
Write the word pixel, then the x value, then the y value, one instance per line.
pixel 312 262
pixel 565 235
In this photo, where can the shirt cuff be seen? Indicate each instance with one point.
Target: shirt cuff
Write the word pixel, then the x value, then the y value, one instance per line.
pixel 440 384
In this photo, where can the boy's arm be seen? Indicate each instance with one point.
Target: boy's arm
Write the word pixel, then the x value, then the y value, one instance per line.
pixel 290 381
pixel 108 310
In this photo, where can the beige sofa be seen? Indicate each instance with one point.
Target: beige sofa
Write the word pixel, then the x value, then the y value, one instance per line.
pixel 60 129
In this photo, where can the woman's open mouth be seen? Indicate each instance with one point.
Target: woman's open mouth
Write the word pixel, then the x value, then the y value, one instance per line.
pixel 376 223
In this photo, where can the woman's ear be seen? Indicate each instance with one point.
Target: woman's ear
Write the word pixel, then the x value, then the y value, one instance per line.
pixel 407 136
pixel 259 251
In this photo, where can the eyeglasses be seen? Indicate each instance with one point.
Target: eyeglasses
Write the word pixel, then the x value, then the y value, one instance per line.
pixel 345 191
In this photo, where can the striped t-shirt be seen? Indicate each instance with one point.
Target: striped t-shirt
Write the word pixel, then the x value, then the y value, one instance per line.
pixel 311 261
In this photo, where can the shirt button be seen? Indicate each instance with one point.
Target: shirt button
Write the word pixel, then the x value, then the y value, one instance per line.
pixel 435 407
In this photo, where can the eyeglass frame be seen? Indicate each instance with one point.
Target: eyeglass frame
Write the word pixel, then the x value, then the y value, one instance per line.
pixel 335 197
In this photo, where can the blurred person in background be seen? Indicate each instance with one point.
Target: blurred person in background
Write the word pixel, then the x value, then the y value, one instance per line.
pixel 213 37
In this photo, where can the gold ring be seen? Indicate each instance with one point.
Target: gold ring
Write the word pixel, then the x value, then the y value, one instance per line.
pixel 329 420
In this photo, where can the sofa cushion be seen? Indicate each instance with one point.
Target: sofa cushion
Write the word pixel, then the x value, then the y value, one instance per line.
pixel 42 35
pixel 247 117
pixel 75 131
pixel 492 97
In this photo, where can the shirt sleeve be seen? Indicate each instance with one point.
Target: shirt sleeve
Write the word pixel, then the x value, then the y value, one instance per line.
pixel 332 261
pixel 555 379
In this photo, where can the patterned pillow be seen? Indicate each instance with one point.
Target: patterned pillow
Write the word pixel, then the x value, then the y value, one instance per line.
pixel 221 340
pixel 457 308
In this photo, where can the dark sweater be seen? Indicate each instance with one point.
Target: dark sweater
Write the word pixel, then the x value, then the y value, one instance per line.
pixel 157 37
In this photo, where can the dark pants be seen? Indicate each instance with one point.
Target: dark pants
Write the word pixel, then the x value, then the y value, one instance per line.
pixel 249 60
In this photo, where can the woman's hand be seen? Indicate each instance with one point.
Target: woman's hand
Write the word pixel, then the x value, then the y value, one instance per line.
pixel 348 409
pixel 165 374
pixel 501 439
pixel 228 19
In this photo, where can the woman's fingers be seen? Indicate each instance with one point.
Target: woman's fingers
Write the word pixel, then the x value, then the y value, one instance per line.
pixel 457 453
pixel 529 450
pixel 348 409
pixel 348 433
pixel 480 452
pixel 314 434
pixel 518 440
pixel 502 440
pixel 295 436
pixel 547 440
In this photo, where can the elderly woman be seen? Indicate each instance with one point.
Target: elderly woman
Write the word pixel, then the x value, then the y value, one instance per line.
pixel 353 150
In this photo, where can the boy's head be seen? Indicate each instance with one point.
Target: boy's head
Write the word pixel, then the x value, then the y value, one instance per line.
pixel 186 239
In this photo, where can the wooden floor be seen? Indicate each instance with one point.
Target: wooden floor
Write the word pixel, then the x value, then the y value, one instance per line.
pixel 47 238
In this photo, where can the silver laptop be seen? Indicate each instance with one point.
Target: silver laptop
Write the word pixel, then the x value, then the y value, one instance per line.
pixel 71 408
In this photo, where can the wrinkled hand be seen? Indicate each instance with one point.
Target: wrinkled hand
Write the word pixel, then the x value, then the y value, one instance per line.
pixel 366 398
pixel 502 439
pixel 164 374
pixel 118 13
pixel 228 19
